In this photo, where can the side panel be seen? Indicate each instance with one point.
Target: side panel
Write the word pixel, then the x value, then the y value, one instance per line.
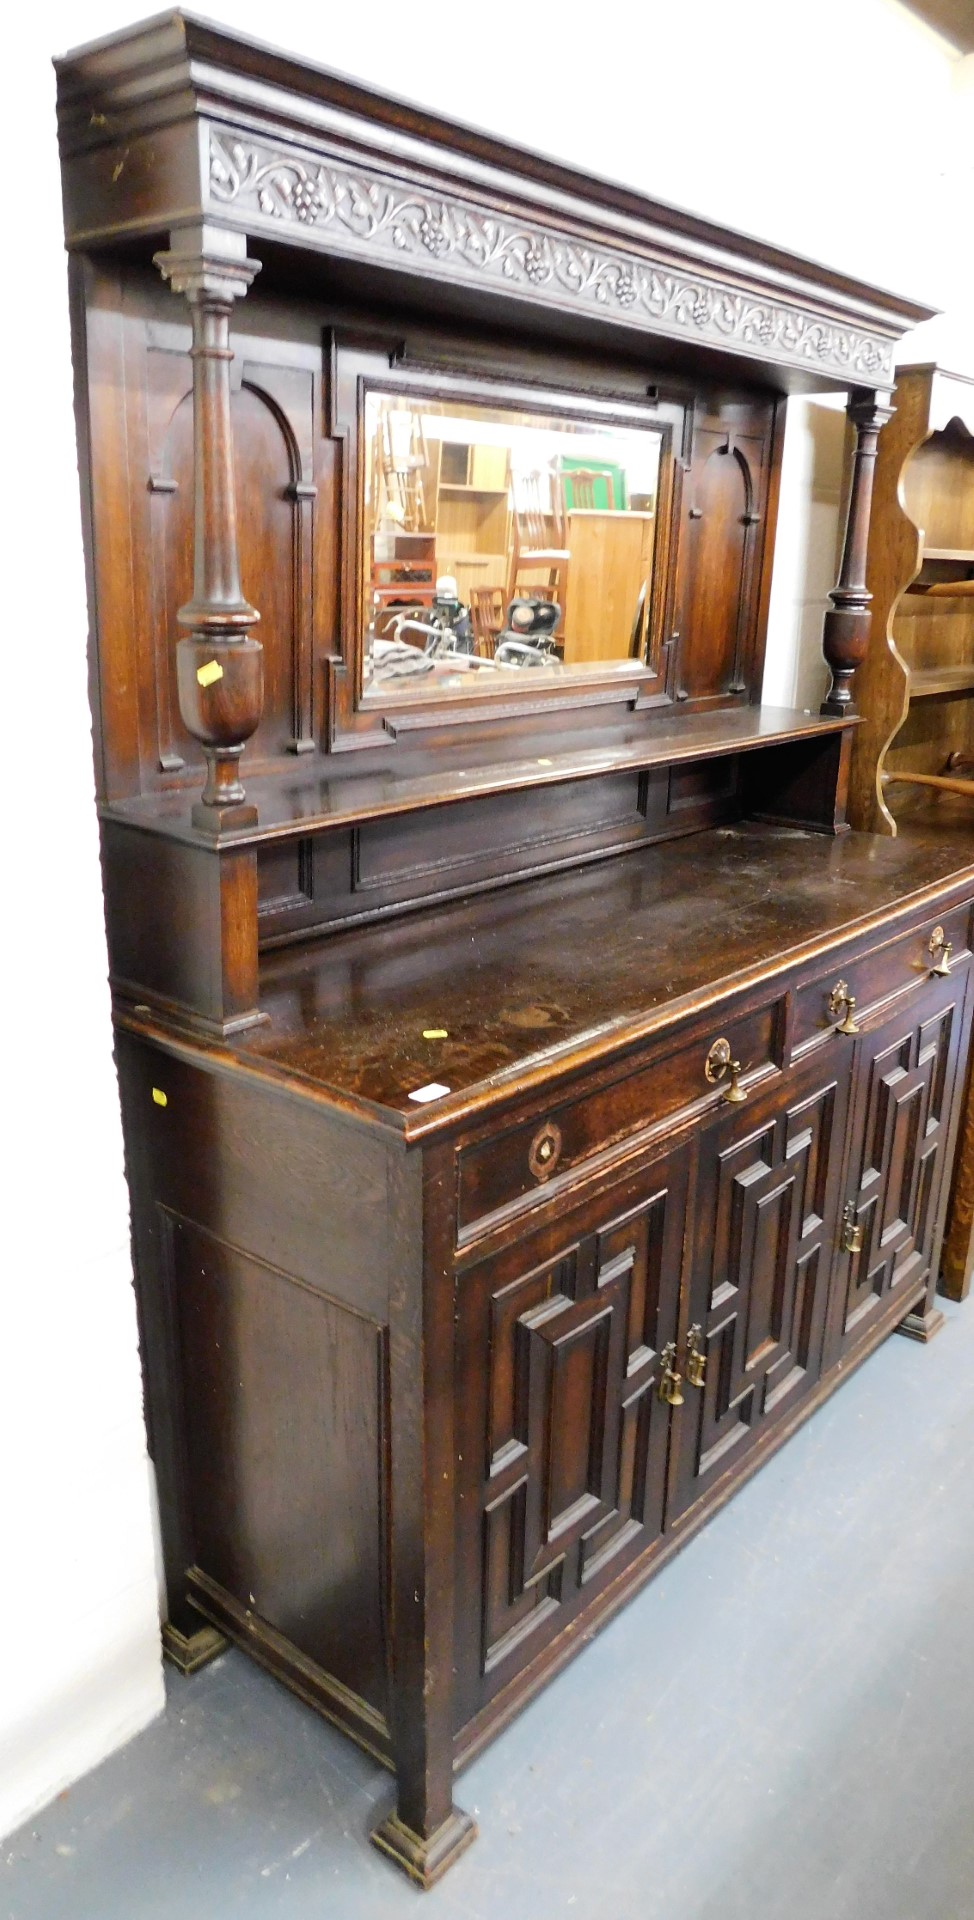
pixel 283 1395
pixel 263 1267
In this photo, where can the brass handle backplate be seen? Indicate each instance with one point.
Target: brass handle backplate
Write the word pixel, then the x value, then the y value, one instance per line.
pixel 851 1241
pixel 939 945
pixel 696 1358
pixel 841 1001
pixel 719 1063
pixel 670 1379
pixel 544 1152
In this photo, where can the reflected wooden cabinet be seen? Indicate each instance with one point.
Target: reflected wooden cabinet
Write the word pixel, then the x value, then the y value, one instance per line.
pixel 609 583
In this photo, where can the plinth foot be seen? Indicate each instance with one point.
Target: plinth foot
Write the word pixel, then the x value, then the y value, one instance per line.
pixel 190 1651
pixel 921 1326
pixel 427 1860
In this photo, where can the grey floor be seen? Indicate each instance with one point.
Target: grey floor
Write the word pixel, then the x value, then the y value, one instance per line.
pixel 780 1727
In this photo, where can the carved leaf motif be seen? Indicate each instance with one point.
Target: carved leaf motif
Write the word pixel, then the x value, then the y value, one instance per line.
pixel 393 214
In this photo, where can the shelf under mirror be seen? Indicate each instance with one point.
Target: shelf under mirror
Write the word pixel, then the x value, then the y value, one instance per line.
pixel 316 800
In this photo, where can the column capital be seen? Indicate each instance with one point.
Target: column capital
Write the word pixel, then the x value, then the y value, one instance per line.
pixel 208 263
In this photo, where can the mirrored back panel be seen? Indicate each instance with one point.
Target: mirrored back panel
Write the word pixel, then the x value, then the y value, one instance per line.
pixel 500 543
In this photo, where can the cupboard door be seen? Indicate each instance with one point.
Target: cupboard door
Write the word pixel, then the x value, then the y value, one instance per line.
pixel 766 1221
pixel 562 1437
pixel 906 1086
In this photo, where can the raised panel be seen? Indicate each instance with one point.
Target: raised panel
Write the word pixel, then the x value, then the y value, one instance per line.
pixel 906 1074
pixel 722 506
pixel 268 560
pixel 278 448
pixel 563 1438
pixel 766 1215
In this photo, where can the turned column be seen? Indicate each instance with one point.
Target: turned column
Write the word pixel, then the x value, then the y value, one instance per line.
pixel 219 663
pixel 846 631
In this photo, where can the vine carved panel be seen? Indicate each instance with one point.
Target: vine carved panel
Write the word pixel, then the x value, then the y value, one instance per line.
pixel 365 214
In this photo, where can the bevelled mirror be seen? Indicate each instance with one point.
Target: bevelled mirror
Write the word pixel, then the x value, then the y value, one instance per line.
pixel 504 542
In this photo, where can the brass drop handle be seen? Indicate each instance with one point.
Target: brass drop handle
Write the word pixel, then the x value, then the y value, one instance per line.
pixel 851 1241
pixel 939 945
pixel 670 1380
pixel 696 1358
pixel 841 1001
pixel 718 1064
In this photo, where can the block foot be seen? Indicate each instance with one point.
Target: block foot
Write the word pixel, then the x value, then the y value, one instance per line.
pixel 190 1651
pixel 425 1860
pixel 921 1326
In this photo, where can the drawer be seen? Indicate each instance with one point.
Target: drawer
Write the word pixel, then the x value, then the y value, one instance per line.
pixel 876 977
pixel 540 1155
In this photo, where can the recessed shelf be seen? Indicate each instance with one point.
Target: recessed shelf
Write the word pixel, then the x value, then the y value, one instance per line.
pixel 927 681
pixel 317 799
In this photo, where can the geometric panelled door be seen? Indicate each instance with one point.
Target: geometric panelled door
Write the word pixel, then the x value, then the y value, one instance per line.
pixel 904 1084
pixel 766 1217
pixel 572 1485
pixel 570 1463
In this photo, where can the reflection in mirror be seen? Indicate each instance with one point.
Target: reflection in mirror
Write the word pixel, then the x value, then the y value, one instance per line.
pixel 499 543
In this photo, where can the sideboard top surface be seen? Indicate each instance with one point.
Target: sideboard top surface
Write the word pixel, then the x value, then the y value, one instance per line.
pixel 553 974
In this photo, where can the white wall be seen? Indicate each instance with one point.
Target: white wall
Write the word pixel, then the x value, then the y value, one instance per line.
pixel 829 139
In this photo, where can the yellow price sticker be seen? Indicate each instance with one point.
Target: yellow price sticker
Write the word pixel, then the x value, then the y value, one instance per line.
pixel 210 674
pixel 161 1099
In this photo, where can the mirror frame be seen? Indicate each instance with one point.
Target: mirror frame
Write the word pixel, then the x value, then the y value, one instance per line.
pixel 363 362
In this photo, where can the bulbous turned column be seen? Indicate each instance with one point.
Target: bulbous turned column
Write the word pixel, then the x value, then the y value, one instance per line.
pixel 219 665
pixel 845 636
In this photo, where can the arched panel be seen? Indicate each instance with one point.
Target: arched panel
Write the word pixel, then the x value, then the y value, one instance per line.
pixel 269 565
pixel 720 516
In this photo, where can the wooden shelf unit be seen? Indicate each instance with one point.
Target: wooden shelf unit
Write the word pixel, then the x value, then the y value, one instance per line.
pixel 926 682
pixel 913 759
pixel 919 568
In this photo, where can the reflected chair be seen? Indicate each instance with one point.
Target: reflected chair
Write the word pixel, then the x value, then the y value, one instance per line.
pixel 487 618
pixel 639 637
pixel 404 458
pixel 539 541
pixel 578 486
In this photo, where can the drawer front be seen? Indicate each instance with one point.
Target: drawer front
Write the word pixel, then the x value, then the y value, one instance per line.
pixel 877 977
pixel 537 1157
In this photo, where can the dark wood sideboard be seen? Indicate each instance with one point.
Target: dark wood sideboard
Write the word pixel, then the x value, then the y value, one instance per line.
pixel 433 1384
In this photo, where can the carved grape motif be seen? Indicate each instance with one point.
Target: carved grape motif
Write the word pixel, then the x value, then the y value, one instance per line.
pixel 434 236
pixel 536 263
pixel 308 201
pixel 360 211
